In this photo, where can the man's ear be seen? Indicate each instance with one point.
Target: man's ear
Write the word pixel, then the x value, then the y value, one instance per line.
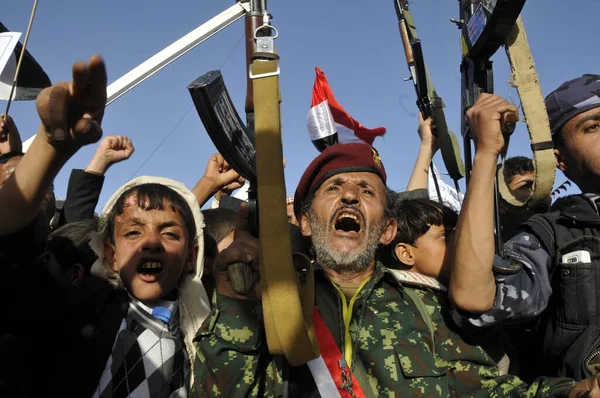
pixel 404 254
pixel 305 225
pixel 190 263
pixel 77 275
pixel 389 233
pixel 559 158
pixel 110 255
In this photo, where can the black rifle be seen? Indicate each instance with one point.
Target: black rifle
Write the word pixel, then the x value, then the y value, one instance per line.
pixel 485 26
pixel 234 140
pixel 236 143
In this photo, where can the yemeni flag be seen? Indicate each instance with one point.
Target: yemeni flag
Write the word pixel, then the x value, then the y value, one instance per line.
pixel 329 123
pixel 32 78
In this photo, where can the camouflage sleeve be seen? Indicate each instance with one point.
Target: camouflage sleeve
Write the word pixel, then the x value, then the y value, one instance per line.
pixel 542 387
pixel 521 296
pixel 232 359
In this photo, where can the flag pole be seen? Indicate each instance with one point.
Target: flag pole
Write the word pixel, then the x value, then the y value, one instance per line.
pixel 21 56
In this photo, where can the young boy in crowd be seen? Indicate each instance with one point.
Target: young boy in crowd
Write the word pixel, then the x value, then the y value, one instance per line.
pixel 150 245
pixel 424 226
pixel 425 233
pixel 124 338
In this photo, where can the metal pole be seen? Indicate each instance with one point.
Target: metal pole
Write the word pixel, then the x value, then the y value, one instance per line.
pixel 175 50
pixel 163 58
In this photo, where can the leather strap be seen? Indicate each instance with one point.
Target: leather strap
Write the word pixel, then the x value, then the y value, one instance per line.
pixel 526 80
pixel 287 304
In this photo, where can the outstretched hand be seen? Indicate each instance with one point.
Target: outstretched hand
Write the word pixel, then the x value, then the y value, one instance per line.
pixel 71 113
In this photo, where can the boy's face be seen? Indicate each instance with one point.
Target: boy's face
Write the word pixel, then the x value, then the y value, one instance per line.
pixel 429 252
pixel 150 252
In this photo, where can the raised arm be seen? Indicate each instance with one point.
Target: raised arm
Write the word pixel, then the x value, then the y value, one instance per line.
pixel 71 114
pixel 472 283
pixel 85 186
pixel 420 175
pixel 218 177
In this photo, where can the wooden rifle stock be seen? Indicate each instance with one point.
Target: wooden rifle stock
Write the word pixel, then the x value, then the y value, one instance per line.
pixel 509 123
pixel 410 59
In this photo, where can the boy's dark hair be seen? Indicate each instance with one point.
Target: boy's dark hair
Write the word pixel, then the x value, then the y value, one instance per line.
pixel 70 245
pixel 155 197
pixel 517 165
pixel 416 216
pixel 218 223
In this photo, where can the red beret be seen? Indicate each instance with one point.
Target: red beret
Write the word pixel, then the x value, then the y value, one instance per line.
pixel 337 159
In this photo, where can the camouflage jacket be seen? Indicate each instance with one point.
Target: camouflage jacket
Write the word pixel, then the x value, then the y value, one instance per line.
pixel 403 354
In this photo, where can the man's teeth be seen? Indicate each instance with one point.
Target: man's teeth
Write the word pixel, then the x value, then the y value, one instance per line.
pixel 346 215
pixel 151 266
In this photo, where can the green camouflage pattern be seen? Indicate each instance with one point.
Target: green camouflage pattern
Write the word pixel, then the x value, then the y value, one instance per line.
pixel 400 354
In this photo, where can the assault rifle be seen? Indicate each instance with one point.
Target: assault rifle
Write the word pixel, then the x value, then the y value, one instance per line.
pixel 234 139
pixel 428 101
pixel 485 27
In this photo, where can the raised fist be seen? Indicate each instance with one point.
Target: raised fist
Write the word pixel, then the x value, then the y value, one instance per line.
pixel 426 133
pixel 71 113
pixel 220 174
pixel 112 149
pixel 485 118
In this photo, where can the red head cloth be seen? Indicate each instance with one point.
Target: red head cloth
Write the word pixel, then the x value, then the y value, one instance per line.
pixel 337 159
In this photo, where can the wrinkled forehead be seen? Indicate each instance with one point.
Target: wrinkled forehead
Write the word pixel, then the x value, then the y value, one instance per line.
pixel 133 213
pixel 359 178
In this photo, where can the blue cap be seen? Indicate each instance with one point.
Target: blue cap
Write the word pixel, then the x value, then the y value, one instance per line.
pixel 572 98
pixel 162 314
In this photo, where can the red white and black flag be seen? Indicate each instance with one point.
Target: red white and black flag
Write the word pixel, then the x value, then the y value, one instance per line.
pixel 329 123
pixel 32 78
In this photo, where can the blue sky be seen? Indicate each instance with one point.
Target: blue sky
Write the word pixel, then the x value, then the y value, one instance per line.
pixel 356 43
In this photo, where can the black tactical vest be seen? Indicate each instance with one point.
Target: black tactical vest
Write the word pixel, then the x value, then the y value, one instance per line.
pixel 570 326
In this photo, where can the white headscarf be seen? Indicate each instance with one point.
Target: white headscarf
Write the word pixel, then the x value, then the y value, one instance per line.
pixel 194 305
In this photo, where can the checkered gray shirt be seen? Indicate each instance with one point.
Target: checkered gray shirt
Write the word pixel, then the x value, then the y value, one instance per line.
pixel 148 358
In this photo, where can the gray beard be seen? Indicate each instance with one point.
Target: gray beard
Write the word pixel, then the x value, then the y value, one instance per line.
pixel 353 262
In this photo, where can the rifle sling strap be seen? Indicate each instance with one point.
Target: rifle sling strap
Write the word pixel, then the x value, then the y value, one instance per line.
pixel 287 305
pixel 525 79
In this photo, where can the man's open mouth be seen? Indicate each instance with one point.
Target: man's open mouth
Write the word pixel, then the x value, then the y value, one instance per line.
pixel 347 222
pixel 149 268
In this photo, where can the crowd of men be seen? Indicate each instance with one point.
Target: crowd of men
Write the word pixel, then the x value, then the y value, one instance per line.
pixel 410 297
